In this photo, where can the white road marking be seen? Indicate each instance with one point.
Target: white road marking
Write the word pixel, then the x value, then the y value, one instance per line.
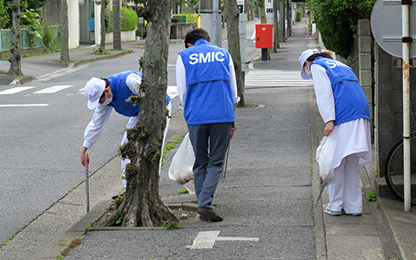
pixel 275 78
pixel 14 90
pixel 206 239
pixel 255 239
pixel 52 89
pixel 25 105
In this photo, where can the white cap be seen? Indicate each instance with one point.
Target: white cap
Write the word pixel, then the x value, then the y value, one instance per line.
pixel 303 57
pixel 93 91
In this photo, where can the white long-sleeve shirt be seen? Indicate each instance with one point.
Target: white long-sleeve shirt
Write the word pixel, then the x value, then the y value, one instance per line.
pixel 102 114
pixel 181 81
pixel 323 93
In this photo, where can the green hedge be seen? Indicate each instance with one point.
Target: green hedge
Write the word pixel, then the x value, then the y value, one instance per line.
pixel 128 19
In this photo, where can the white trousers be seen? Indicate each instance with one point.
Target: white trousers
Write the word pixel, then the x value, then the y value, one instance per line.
pixel 345 189
pixel 132 122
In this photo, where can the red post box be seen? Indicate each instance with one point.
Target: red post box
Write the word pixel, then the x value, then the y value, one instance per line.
pixel 264 35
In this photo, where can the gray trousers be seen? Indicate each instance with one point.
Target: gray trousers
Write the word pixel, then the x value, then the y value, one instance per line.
pixel 210 142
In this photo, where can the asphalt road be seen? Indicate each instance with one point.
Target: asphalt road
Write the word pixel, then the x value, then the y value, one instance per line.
pixel 41 134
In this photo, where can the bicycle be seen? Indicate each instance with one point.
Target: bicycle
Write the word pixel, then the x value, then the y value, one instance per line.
pixel 394 165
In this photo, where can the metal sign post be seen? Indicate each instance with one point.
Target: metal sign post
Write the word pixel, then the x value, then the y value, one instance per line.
pixel 406 39
pixel 385 27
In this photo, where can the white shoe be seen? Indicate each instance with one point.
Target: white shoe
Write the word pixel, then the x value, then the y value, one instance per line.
pixel 332 213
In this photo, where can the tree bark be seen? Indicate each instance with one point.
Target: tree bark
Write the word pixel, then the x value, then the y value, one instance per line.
pixel 276 38
pixel 16 59
pixel 232 18
pixel 65 33
pixel 142 205
pixel 102 21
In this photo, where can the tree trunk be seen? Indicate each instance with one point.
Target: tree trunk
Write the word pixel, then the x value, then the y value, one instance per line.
pixel 102 21
pixel 142 205
pixel 232 17
pixel 16 59
pixel 65 34
pixel 276 38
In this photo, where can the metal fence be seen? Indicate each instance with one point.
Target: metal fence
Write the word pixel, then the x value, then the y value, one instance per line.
pixel 27 41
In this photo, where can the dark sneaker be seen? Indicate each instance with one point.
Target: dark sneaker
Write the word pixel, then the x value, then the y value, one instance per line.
pixel 209 214
pixel 203 218
pixel 117 196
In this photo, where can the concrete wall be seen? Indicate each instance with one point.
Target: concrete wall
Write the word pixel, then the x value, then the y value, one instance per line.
pixel 52 15
pixel 126 36
pixel 389 103
pixel 179 31
pixel 364 62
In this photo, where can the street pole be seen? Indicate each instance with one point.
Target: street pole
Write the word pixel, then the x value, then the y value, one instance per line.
pixel 406 104
pixel 216 29
pixel 210 20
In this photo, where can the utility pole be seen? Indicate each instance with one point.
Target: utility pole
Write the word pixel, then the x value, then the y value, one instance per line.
pixel 211 19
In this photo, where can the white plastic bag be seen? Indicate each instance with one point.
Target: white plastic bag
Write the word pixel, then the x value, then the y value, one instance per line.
pixel 180 169
pixel 324 155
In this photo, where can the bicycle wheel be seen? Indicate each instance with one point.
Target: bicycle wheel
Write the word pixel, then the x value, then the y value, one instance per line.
pixel 394 169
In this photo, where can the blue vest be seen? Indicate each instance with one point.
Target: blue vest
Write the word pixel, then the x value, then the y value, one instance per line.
pixel 208 97
pixel 350 100
pixel 122 93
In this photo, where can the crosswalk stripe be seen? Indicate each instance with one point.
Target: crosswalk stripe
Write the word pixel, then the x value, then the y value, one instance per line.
pixel 275 78
pixel 24 105
pixel 53 89
pixel 14 90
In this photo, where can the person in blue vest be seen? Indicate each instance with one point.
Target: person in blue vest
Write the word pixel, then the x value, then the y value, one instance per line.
pixel 106 94
pixel 344 108
pixel 208 92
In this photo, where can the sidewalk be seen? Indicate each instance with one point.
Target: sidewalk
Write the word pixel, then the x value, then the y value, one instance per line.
pixel 269 193
pixel 36 67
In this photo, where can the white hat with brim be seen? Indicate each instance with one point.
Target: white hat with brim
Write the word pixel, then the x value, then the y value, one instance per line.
pixel 303 57
pixel 93 91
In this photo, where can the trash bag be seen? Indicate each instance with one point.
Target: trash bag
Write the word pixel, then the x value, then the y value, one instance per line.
pixel 324 155
pixel 180 169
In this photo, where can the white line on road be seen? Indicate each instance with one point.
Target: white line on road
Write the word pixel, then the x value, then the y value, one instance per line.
pixel 255 239
pixel 14 90
pixel 206 239
pixel 25 105
pixel 52 89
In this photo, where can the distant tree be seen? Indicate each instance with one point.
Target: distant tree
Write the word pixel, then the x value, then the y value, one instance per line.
pixel 65 33
pixel 232 16
pixel 4 15
pixel 6 12
pixel 15 60
pixel 35 4
pixel 102 22
pixel 276 27
pixel 336 28
pixel 142 205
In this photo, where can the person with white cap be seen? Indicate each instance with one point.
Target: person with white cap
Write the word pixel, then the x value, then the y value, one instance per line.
pixel 106 94
pixel 344 108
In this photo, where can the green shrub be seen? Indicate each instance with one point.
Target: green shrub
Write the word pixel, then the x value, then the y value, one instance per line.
pixel 128 19
pixel 336 28
pixel 49 42
pixel 298 15
pixel 108 20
